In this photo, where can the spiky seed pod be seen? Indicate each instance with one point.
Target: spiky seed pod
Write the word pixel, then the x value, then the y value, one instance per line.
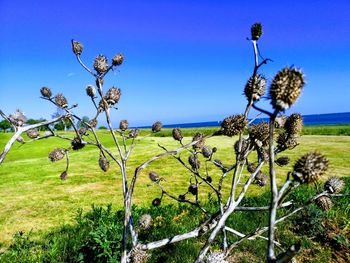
pixel 182 197
pixel 334 185
pixel 324 202
pixel 294 124
pixel 18 118
pixel 46 92
pixel 216 257
pixel 286 88
pixel 77 48
pixel 153 176
pixel 103 163
pixel 207 151
pixel 101 64
pixel 280 121
pixel 64 175
pixel 251 168
pixel 282 161
pixel 145 221
pixel 90 91
pixel 138 255
pixel 77 144
pixel 61 100
pixel 156 201
pixel 112 96
pixel 199 137
pixel 82 131
pixel 286 141
pixel 57 154
pixel 259 134
pixel 255 87
pixel 133 133
pixel 244 148
pixel 264 155
pixel 33 133
pixel 209 179
pixel 310 167
pixel 256 31
pixel 194 162
pixel 157 126
pixel 20 139
pixel 177 134
pixel 93 123
pixel 261 179
pixel 193 189
pixel 118 59
pixel 123 125
pixel 233 125
pixel 215 149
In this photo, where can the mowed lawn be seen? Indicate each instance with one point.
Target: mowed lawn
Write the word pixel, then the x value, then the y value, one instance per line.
pixel 32 196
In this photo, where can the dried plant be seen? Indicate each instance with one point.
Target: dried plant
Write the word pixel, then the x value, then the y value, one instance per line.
pixel 266 140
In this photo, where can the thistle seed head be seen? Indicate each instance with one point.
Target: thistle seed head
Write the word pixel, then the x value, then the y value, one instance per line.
pixel 207 151
pixel 193 189
pixel 145 221
pixel 334 185
pixel 113 95
pixel 233 125
pixel 280 121
pixel 194 162
pixel 156 201
pixel 82 131
pixel 310 167
pixel 123 125
pixel 33 133
pixel 259 133
pixel 261 178
pixel 294 124
pixel 133 133
pixel 20 139
pixel 286 141
pixel 157 126
pixel 57 154
pixel 103 163
pixel 90 91
pixel 177 134
pixel 255 87
pixel 182 197
pixel 77 144
pixel 93 123
pixel 101 64
pixel 199 137
pixel 216 257
pixel 256 31
pixel 324 202
pixel 286 88
pixel 64 175
pixel 209 179
pixel 251 168
pixel 138 255
pixel 282 161
pixel 18 118
pixel 77 48
pixel 118 59
pixel 244 148
pixel 153 176
pixel 61 100
pixel 46 92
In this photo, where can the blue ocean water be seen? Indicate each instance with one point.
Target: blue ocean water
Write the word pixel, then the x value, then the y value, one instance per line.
pixel 313 119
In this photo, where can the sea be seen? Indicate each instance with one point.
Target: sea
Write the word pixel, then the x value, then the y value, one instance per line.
pixel 312 119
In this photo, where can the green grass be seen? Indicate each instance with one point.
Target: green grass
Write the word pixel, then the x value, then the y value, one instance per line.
pixel 33 198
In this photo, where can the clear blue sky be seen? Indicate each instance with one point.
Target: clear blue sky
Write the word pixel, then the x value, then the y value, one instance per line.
pixel 185 61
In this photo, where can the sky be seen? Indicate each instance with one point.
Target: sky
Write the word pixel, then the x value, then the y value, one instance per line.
pixel 185 60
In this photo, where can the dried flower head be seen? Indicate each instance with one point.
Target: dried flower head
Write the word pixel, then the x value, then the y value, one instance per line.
pixel 209 179
pixel 118 59
pixel 193 189
pixel 64 175
pixel 233 125
pixel 261 178
pixel 255 87
pixel 57 154
pixel 123 125
pixel 77 48
pixel 46 92
pixel 153 176
pixel 310 167
pixel 182 197
pixel 20 139
pixel 282 161
pixel 216 257
pixel 294 124
pixel 334 185
pixel 145 221
pixel 93 123
pixel 18 118
pixel 61 100
pixel 251 168
pixel 286 141
pixel 77 144
pixel 244 148
pixel 177 134
pixel 324 202
pixel 256 31
pixel 90 91
pixel 138 255
pixel 133 133
pixel 101 64
pixel 207 151
pixel 82 131
pixel 259 134
pixel 286 88
pixel 112 96
pixel 103 163
pixel 157 126
pixel 194 162
pixel 200 140
pixel 156 201
pixel 280 121
pixel 33 133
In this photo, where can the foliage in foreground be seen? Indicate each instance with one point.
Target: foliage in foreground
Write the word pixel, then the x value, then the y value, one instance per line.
pixel 96 236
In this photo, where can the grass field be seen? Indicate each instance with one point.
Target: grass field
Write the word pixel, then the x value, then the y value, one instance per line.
pixel 32 197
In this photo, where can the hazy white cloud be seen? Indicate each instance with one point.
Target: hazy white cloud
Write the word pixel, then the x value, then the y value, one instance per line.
pixel 70 74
